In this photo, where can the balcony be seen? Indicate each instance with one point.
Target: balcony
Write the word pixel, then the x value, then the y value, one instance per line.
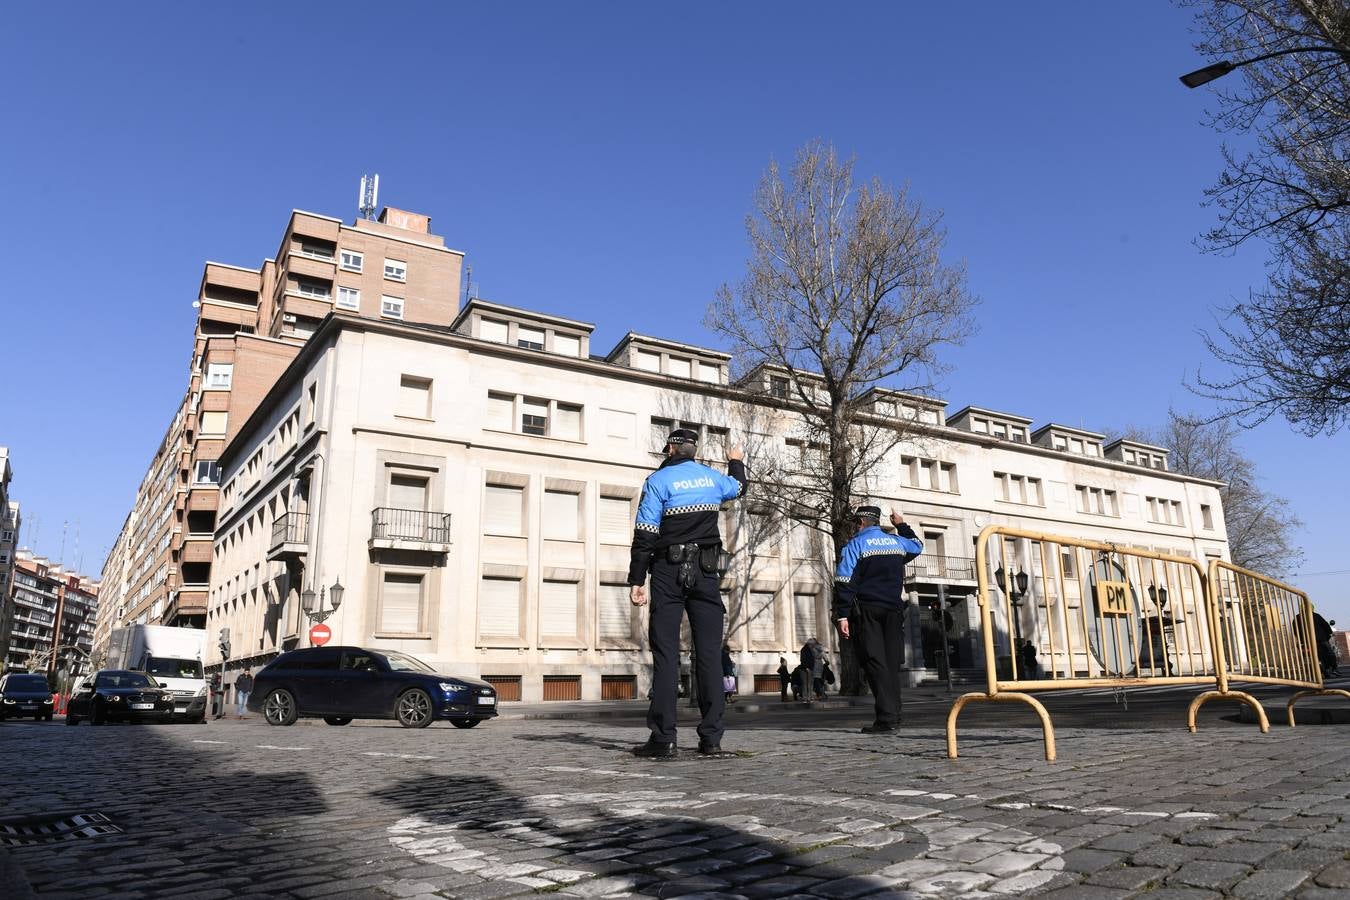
pixel 944 568
pixel 409 529
pixel 290 537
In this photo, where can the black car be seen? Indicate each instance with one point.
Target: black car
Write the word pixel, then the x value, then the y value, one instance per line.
pixel 344 683
pixel 118 695
pixel 25 694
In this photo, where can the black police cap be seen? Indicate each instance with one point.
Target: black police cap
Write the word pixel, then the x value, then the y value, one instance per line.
pixel 868 512
pixel 682 436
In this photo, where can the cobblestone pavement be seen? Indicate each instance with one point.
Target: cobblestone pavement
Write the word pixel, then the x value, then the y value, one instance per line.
pixel 518 807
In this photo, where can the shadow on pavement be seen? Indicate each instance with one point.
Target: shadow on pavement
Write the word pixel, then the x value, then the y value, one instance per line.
pixel 662 843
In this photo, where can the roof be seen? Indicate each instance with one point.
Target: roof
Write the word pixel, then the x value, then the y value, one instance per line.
pixel 481 305
pixel 1069 428
pixel 985 411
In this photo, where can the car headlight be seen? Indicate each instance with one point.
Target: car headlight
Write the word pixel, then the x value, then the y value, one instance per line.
pixel 116 698
pixel 453 687
pixel 11 702
pixel 48 701
pixel 201 691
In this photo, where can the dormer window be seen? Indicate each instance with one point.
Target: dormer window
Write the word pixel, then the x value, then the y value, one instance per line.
pixel 778 387
pixel 530 338
pixel 647 361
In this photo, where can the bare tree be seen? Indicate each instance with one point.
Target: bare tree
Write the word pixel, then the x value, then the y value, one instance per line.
pixel 845 292
pixel 1261 525
pixel 1288 344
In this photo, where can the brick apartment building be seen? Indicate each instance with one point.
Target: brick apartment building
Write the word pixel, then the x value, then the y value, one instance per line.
pixel 54 610
pixel 9 544
pixel 250 325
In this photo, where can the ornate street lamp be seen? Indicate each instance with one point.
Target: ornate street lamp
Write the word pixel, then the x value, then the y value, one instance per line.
pixel 1016 586
pixel 313 610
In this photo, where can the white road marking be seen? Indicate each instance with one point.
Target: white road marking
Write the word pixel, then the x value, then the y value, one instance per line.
pixel 396 755
pixel 275 747
pixel 209 742
pixel 1059 807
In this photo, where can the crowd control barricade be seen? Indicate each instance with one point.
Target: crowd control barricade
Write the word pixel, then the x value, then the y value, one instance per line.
pixel 1061 612
pixel 1264 634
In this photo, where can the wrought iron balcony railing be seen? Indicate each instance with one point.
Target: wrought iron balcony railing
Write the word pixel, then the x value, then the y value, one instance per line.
pixel 415 525
pixel 291 528
pixel 959 568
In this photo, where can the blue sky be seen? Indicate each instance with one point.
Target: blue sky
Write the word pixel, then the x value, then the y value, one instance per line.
pixel 597 160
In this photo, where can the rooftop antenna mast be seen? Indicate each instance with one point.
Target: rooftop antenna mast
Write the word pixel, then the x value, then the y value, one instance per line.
pixel 370 193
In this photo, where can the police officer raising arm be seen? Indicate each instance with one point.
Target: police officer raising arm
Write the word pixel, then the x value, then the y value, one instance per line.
pixel 869 604
pixel 676 540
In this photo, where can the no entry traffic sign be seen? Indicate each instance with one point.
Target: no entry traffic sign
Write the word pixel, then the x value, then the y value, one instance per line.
pixel 320 634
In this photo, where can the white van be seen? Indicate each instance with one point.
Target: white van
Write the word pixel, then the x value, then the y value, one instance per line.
pixel 171 656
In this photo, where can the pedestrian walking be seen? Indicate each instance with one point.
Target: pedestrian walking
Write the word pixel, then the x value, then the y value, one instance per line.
pixel 243 686
pixel 728 675
pixel 784 678
pixel 817 668
pixel 807 668
pixel 676 541
pixel 869 606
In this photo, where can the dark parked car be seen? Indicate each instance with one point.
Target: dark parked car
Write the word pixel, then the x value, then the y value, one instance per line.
pixel 118 695
pixel 25 694
pixel 344 683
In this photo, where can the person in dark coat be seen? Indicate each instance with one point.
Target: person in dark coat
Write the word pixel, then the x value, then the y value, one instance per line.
pixel 784 678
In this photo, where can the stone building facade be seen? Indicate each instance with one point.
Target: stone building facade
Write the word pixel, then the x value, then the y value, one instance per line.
pixel 472 489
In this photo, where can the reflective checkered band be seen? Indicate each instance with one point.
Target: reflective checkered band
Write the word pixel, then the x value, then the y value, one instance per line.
pixel 894 551
pixel 643 526
pixel 696 507
pixel 842 580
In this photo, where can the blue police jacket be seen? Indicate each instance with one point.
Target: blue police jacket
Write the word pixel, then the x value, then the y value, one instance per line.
pixel 872 568
pixel 679 505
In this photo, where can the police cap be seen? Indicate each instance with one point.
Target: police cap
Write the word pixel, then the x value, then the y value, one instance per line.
pixel 868 512
pixel 682 436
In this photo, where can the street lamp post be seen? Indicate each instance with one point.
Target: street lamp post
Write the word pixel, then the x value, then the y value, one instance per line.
pixel 1016 586
pixel 315 611
pixel 1224 66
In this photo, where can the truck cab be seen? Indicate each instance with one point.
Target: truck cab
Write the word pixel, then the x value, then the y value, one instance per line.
pixel 172 657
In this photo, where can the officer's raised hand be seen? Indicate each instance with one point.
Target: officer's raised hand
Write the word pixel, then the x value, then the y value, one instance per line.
pixel 896 519
pixel 638 595
pixel 735 453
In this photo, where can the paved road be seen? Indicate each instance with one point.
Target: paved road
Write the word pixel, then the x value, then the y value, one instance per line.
pixel 523 806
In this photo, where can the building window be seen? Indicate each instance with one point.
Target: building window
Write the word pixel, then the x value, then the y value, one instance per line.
pixel 207 472
pixel 348 298
pixel 778 387
pixel 534 417
pixel 680 367
pixel 1018 489
pixel 315 289
pixel 492 330
pixel 1097 501
pixel 615 613
pixel 616 520
pixel 567 422
pixel 352 261
pixel 414 397
pixel 401 604
pixel 408 492
pixel 7 537
pixel 648 361
pixel 558 603
pixel 395 270
pixel 501 411
pixel 219 376
pixel 709 373
pixel 1163 511
pixel 804 618
pixel 929 474
pixel 1059 442
pixel 214 422
pixel 763 626
pixel 316 251
pixel 561 517
pixel 529 338
pixel 391 307
pixel 499 607
pixel 1207 516
pixel 504 510
pixel 567 345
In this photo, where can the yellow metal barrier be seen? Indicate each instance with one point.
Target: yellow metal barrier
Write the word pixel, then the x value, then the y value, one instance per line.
pixel 1060 612
pixel 1264 633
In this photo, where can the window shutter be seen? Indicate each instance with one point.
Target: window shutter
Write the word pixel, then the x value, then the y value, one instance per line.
pixel 648 361
pixel 616 621
pixel 762 625
pixel 566 345
pixel 804 617
pixel 804 540
pixel 558 608
pixel 502 510
pixel 501 412
pixel 499 607
pixel 679 367
pixel 560 516
pixel 401 604
pixel 407 492
pixel 616 521
pixel 492 331
pixel 567 425
pixel 709 373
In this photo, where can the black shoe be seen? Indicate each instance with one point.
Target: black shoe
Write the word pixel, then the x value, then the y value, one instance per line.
pixel 709 749
pixel 654 749
pixel 877 729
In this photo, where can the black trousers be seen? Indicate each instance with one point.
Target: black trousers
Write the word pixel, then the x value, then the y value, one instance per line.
pixel 877 641
pixel 669 603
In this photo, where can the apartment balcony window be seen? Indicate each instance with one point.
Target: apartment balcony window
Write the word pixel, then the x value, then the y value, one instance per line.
pixel 219 376
pixel 290 536
pixel 352 261
pixel 409 529
pixel 316 290
pixel 207 472
pixel 348 298
pixel 316 250
pixel 395 270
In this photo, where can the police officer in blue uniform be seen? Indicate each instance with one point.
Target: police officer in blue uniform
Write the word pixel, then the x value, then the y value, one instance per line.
pixel 869 606
pixel 676 540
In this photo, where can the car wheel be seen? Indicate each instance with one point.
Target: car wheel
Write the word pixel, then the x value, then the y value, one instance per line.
pixel 337 720
pixel 96 715
pixel 414 709
pixel 279 707
pixel 464 723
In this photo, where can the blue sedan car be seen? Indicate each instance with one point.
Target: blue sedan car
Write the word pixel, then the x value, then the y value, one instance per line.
pixel 339 684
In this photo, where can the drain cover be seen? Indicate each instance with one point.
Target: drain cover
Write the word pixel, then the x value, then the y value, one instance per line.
pixel 51 828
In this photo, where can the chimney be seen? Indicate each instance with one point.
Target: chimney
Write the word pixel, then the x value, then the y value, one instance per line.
pixel 408 221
